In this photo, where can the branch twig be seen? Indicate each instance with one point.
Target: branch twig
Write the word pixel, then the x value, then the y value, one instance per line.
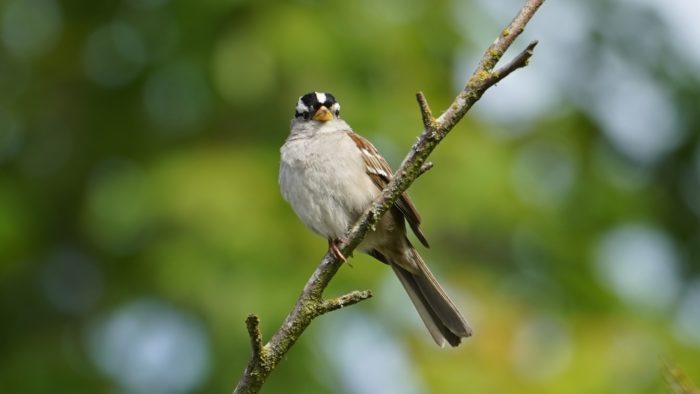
pixel 345 300
pixel 425 111
pixel 310 303
pixel 427 166
pixel 253 325
pixel 518 62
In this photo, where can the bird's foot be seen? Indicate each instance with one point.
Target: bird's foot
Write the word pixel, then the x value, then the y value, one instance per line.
pixel 333 248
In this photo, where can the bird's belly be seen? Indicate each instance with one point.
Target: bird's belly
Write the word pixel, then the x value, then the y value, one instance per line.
pixel 328 191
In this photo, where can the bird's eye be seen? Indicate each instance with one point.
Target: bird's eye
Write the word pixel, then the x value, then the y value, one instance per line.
pixel 337 112
pixel 302 114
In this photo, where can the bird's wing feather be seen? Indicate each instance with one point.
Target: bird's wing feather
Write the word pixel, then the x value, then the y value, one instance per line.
pixel 380 172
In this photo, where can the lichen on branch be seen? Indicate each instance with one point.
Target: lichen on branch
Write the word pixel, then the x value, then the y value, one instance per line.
pixel 310 303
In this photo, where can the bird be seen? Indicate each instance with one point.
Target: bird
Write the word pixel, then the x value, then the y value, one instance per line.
pixel 330 175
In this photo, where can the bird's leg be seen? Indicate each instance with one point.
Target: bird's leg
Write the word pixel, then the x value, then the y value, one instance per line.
pixel 333 247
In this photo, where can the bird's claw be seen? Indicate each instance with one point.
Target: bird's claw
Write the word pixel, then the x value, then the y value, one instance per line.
pixel 335 251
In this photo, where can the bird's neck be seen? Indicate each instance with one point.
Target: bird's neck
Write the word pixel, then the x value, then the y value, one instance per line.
pixel 309 129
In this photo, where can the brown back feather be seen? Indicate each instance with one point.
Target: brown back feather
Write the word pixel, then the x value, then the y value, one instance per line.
pixel 380 172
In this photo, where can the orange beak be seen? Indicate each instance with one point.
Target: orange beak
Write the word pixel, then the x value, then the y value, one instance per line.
pixel 323 114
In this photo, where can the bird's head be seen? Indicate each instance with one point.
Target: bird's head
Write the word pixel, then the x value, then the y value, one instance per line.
pixel 317 106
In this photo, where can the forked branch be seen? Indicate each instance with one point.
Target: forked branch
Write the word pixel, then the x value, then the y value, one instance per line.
pixel 310 303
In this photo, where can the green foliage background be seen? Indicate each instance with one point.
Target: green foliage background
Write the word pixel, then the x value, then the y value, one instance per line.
pixel 140 218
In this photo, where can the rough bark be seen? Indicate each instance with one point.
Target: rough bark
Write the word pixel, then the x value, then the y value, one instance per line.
pixel 311 303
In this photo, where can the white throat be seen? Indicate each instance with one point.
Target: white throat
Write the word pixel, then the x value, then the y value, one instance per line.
pixel 310 128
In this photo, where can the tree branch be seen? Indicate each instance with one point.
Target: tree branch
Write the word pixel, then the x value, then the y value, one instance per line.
pixel 310 303
pixel 517 62
pixel 253 325
pixel 425 111
pixel 427 166
pixel 345 300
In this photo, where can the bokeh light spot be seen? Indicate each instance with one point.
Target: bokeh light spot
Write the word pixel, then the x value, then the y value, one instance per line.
pixel 149 347
pixel 160 33
pixel 640 264
pixel 680 16
pixel 177 98
pixel 686 324
pixel 637 115
pixel 114 54
pixel 366 356
pixel 31 27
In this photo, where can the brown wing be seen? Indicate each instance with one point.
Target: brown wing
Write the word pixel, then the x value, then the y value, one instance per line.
pixel 380 172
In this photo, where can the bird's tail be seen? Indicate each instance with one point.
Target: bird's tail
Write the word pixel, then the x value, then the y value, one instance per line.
pixel 435 308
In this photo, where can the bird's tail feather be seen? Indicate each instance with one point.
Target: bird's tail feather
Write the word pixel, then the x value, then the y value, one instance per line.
pixel 444 322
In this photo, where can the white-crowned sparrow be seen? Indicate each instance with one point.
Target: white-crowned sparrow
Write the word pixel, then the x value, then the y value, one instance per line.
pixel 330 176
